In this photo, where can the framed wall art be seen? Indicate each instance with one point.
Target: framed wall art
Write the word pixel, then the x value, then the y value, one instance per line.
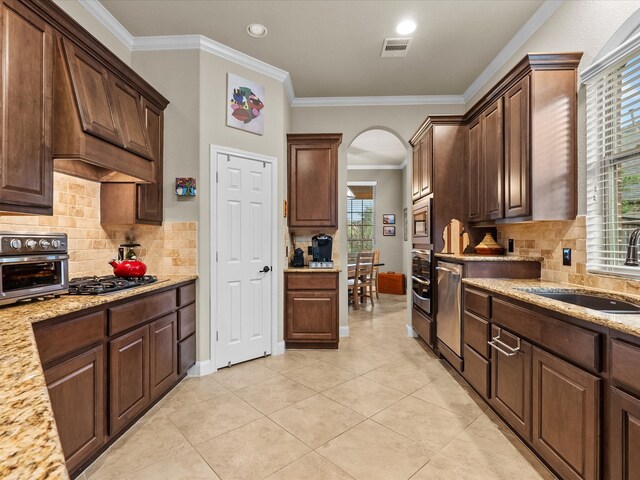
pixel 389 219
pixel 245 104
pixel 389 231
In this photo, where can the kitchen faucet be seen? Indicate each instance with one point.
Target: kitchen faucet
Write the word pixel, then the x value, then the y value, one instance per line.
pixel 632 249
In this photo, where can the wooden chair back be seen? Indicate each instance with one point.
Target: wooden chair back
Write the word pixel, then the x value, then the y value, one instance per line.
pixel 364 268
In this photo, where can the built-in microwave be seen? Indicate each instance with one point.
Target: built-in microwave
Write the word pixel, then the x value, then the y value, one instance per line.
pixel 421 229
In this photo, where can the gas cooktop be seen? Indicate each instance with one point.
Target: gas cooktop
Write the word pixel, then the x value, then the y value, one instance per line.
pixel 108 284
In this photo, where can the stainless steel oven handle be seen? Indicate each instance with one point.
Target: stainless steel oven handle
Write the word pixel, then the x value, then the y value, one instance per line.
pixel 419 280
pixel 449 270
pixel 38 258
pixel 421 251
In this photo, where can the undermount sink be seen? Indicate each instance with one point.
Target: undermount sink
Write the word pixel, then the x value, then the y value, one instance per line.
pixel 600 303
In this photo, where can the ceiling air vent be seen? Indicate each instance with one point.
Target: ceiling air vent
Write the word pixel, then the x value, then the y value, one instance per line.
pixel 395 47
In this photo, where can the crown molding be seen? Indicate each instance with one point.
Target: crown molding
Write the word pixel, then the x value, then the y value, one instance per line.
pixel 543 13
pixel 610 58
pixel 386 166
pixel 109 21
pixel 378 101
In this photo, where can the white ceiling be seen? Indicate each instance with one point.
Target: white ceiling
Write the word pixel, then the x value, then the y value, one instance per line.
pixel 332 48
pixel 376 148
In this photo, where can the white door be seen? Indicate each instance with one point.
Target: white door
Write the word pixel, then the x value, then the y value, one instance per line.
pixel 244 278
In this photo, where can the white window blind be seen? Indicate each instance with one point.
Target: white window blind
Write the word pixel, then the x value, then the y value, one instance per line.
pixel 613 165
pixel 361 224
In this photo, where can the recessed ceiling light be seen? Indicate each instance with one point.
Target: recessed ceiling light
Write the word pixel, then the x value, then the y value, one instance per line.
pixel 257 30
pixel 406 27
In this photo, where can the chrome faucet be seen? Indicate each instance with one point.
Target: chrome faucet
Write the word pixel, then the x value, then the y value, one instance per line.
pixel 632 249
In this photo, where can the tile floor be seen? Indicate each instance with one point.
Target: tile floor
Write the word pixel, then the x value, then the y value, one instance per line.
pixel 379 407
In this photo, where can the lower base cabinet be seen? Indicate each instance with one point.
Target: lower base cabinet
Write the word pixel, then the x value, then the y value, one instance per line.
pixel 163 349
pixel 625 436
pixel 77 398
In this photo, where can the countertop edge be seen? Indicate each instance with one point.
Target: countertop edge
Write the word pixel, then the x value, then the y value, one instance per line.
pixel 474 257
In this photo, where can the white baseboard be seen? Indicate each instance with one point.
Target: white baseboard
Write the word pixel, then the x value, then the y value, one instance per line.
pixel 344 330
pixel 279 349
pixel 410 331
pixel 200 369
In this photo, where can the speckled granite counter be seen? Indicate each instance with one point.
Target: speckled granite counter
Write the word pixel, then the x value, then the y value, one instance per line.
pixel 29 444
pixel 521 290
pixel 312 270
pixel 474 257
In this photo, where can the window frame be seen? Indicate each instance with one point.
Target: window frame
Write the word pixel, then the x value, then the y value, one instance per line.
pixel 350 212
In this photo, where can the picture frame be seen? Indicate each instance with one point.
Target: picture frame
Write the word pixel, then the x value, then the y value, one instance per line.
pixel 245 104
pixel 389 231
pixel 389 219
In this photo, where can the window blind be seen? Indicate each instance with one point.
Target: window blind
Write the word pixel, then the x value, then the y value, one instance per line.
pixel 361 224
pixel 613 165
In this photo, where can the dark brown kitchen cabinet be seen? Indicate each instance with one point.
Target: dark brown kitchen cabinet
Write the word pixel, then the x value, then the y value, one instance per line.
pixel 149 196
pixel 492 169
pixel 77 399
pixel 163 349
pixel 566 417
pixel 26 165
pixel 426 164
pixel 475 186
pixel 511 380
pixel 415 178
pixel 624 434
pixel 133 126
pixel 129 377
pixel 311 310
pixel 312 180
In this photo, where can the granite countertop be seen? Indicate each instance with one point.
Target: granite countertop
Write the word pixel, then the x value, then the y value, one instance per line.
pixel 311 270
pixel 474 257
pixel 522 290
pixel 29 443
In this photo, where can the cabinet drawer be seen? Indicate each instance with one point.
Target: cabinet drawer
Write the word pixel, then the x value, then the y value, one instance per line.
pixel 137 312
pixel 186 354
pixel 477 371
pixel 312 281
pixel 575 343
pixel 477 302
pixel 476 334
pixel 423 326
pixel 186 321
pixel 59 340
pixel 625 365
pixel 186 294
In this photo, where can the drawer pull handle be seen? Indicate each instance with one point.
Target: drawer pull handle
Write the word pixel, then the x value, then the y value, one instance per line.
pixel 497 344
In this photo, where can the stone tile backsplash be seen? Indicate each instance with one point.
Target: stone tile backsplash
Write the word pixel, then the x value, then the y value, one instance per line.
pixel 170 249
pixel 547 239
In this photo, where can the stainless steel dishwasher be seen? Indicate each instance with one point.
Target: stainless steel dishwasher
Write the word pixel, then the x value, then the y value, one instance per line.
pixel 449 317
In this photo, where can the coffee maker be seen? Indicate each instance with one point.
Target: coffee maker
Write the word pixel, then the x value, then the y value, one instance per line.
pixel 321 249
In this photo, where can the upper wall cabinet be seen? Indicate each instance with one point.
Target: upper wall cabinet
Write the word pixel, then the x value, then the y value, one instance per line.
pixel 522 144
pixel 422 164
pixel 313 179
pixel 26 166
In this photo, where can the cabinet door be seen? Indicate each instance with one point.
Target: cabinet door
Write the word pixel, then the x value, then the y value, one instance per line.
pixel 511 382
pixel 163 366
pixel 426 164
pixel 492 155
pixel 150 195
pixel 77 398
pixel 624 434
pixel 128 105
pixel 517 156
pixel 312 316
pixel 566 416
pixel 129 377
pixel 415 189
pixel 92 91
pixel 26 164
pixel 312 187
pixel 474 172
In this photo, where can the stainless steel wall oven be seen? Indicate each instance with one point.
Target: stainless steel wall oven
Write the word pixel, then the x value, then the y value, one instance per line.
pixel 421 279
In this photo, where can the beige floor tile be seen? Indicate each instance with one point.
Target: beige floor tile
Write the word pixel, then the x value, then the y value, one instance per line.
pixel 273 395
pixel 447 393
pixel 364 396
pixel 361 362
pixel 311 467
pixel 320 376
pixel 370 451
pixel 291 360
pixel 244 374
pixel 316 420
pixel 210 418
pixel 254 451
pixel 405 376
pixel 190 392
pixel 187 465
pixel 483 452
pixel 155 440
pixel 424 422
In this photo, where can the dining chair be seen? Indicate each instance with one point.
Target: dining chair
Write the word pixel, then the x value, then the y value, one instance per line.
pixel 360 284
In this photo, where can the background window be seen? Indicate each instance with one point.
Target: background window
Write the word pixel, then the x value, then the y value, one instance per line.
pixel 613 165
pixel 361 219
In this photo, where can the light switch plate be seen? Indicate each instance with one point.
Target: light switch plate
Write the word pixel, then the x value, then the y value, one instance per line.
pixel 510 246
pixel 566 256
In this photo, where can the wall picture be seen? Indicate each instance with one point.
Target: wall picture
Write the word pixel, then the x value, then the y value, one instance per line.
pixel 186 187
pixel 245 104
pixel 389 231
pixel 389 219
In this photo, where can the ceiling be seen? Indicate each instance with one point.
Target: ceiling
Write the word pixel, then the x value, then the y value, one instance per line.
pixel 375 148
pixel 332 48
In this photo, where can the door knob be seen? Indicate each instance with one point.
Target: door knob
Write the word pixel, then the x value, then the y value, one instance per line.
pixel 264 270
